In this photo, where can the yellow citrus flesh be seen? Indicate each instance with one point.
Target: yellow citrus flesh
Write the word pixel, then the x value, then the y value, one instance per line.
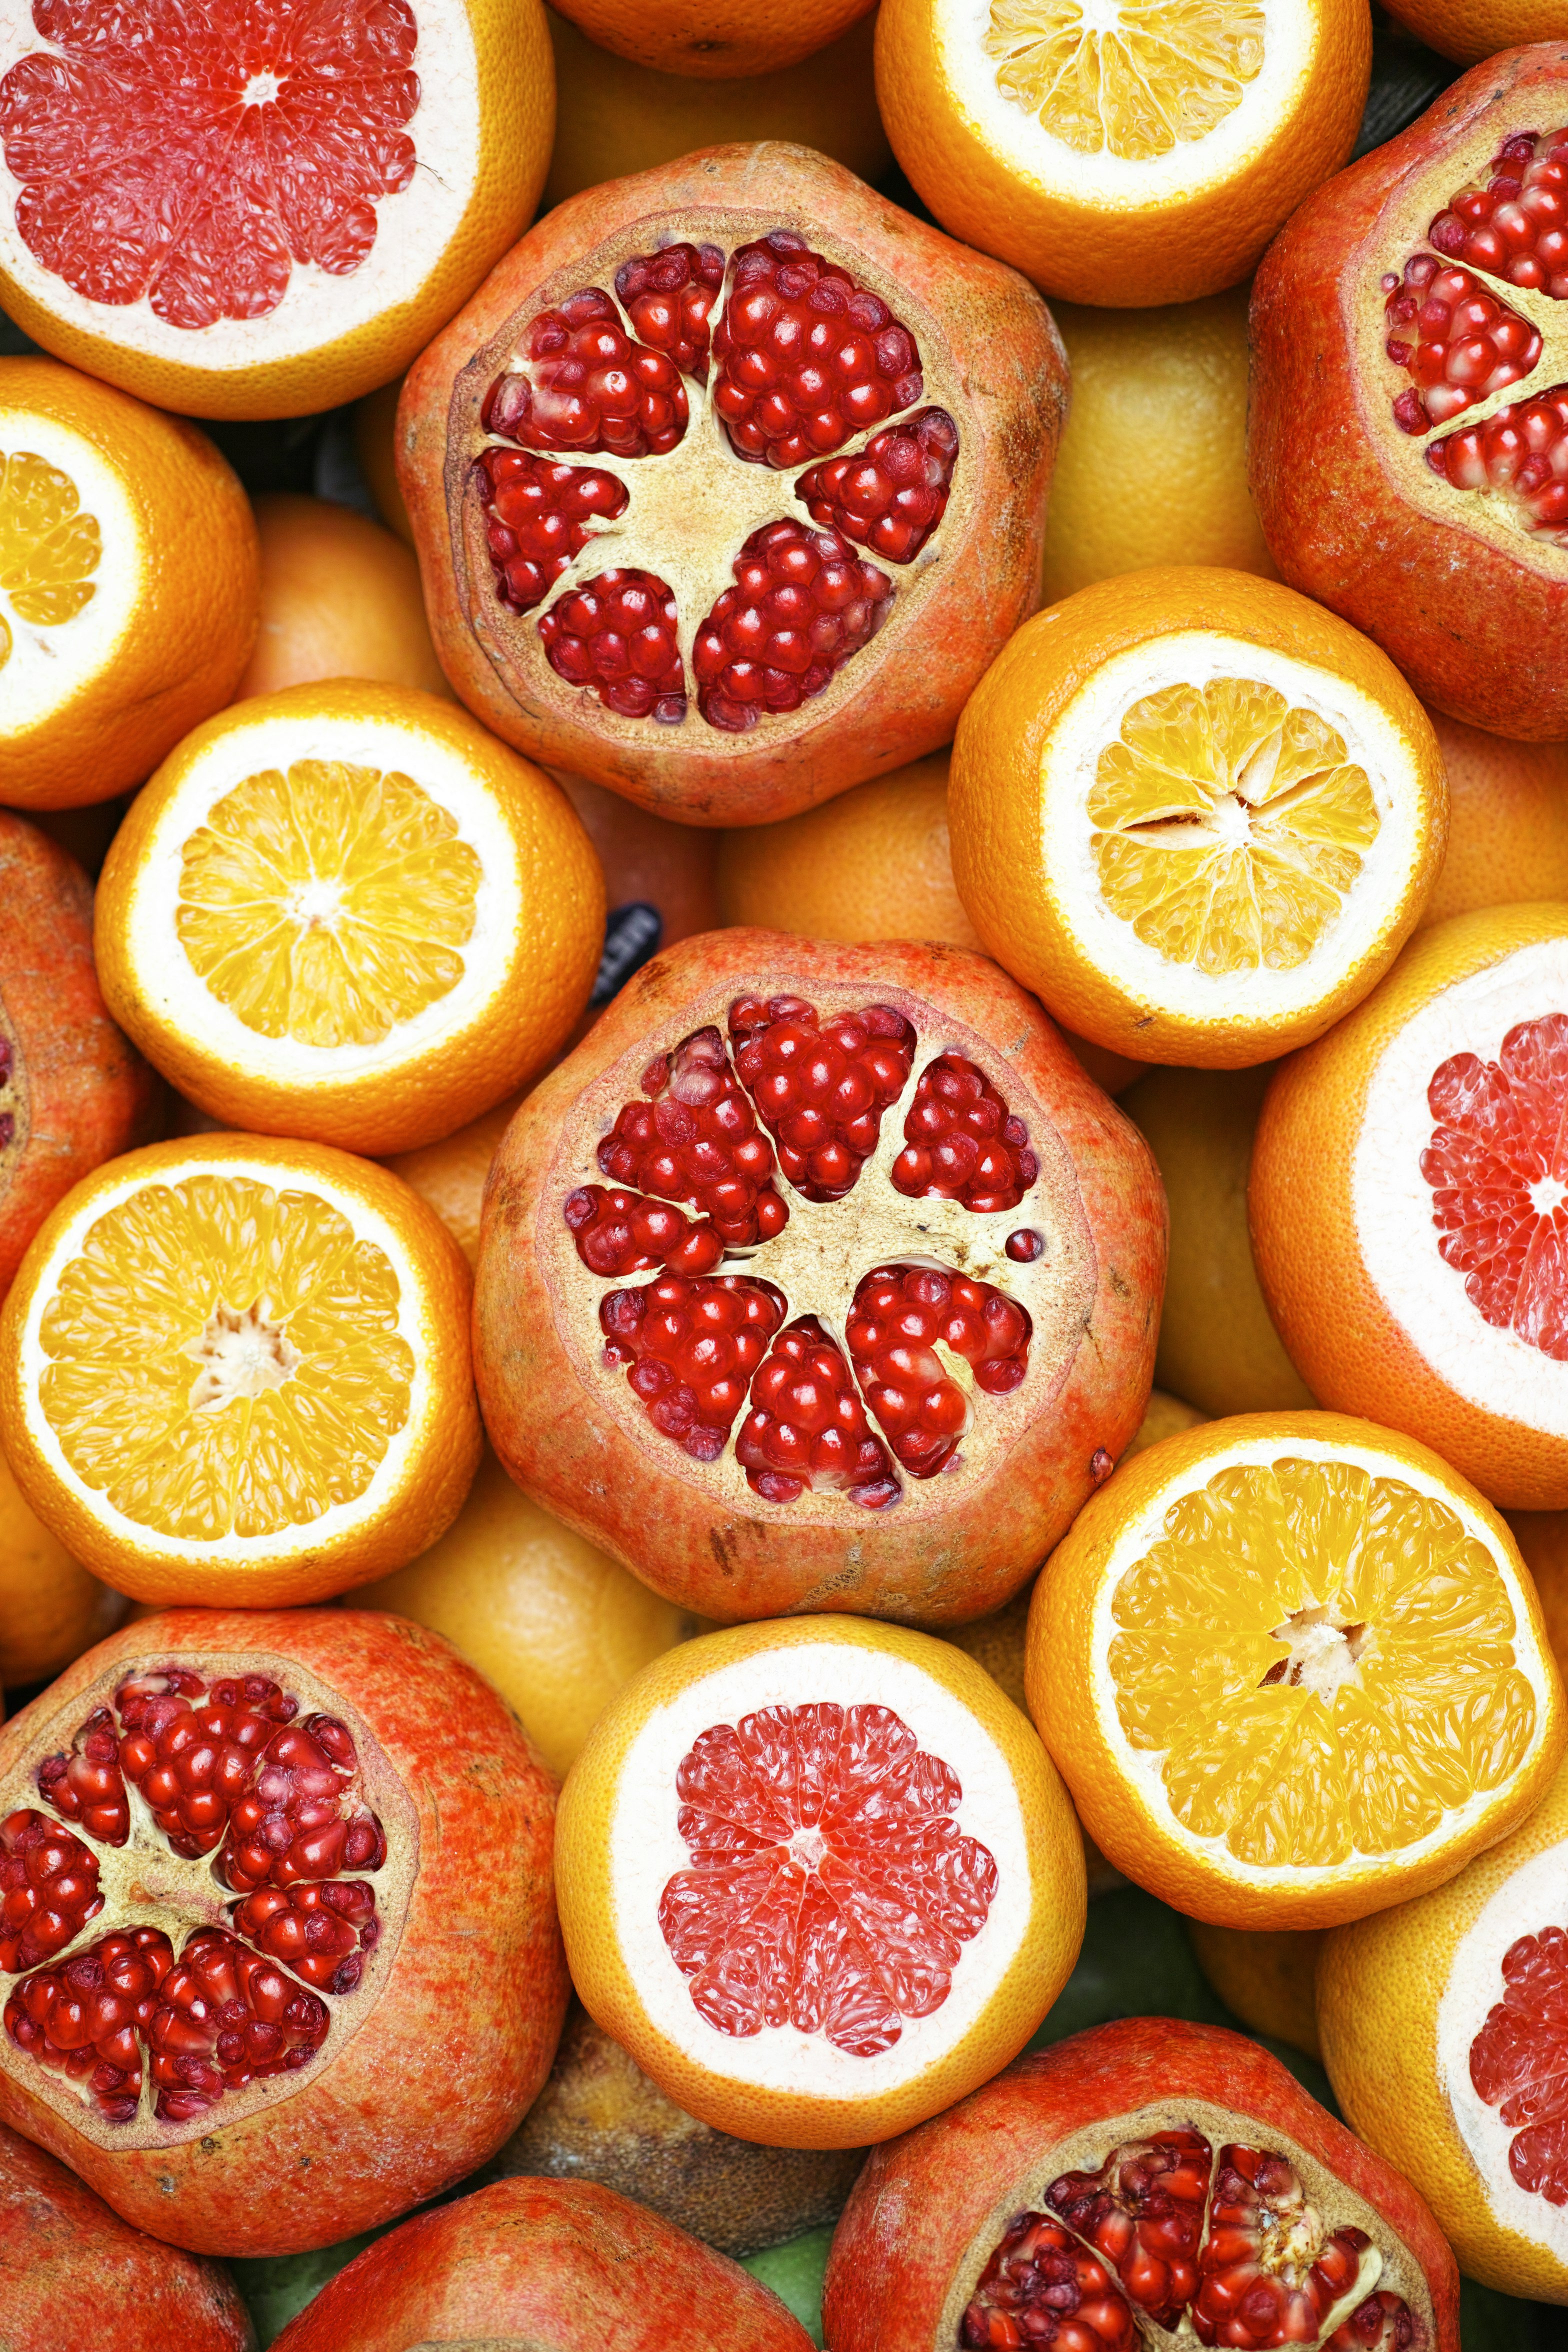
pixel 225 1358
pixel 1229 828
pixel 48 548
pixel 1165 73
pixel 328 904
pixel 1323 1660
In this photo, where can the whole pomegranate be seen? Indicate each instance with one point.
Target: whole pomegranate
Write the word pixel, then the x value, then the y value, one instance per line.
pixel 74 1091
pixel 1408 442
pixel 1147 2182
pixel 279 1954
pixel 729 482
pixel 543 2266
pixel 819 1277
pixel 72 2272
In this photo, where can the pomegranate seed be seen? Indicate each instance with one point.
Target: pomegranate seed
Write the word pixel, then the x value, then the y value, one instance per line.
pixel 692 1348
pixel 1144 2212
pixel 48 1890
pixel 668 296
pixel 893 495
pixel 585 386
pixel 1458 341
pixel 807 1427
pixel 963 1146
pixel 616 634
pixel 1041 2287
pixel 1516 227
pixel 803 602
pixel 1520 453
pixel 821 1092
pixel 697 1140
pixel 539 517
pixel 804 357
pixel 619 1232
pixel 899 1315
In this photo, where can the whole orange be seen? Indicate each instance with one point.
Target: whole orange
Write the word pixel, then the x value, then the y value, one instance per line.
pixel 340 598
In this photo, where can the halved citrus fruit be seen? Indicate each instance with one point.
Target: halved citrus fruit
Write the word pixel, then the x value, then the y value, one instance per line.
pixel 346 912
pixel 818 1876
pixel 128 585
pixel 262 207
pixel 1292 1669
pixel 1121 151
pixel 1196 814
pixel 1409 1203
pixel 1443 2029
pixel 236 1370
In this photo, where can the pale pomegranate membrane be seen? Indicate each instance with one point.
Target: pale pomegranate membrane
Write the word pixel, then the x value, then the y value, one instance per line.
pixel 707 477
pixel 1478 311
pixel 196 1897
pixel 824 1256
pixel 1179 2231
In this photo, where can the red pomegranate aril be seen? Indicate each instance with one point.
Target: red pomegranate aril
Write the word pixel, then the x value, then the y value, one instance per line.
pixel 87 1787
pixel 821 1092
pixel 317 1932
pixel 891 497
pixel 803 602
pixel 539 516
pixel 585 386
pixel 1517 226
pixel 668 298
pixel 1383 2323
pixel 1520 453
pixel 691 1349
pixel 964 1145
pixel 1041 2287
pixel 192 1764
pixel 293 1824
pixel 616 634
pixel 619 1232
pixel 808 1426
pixel 697 1140
pixel 1455 339
pixel 1143 2212
pixel 83 2018
pixel 48 1890
pixel 1256 2288
pixel 899 1315
pixel 224 2017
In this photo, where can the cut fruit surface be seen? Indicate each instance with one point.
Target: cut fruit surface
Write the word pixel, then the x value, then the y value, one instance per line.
pixel 1288 1664
pixel 48 548
pixel 344 911
pixel 1157 74
pixel 816 1875
pixel 234 1358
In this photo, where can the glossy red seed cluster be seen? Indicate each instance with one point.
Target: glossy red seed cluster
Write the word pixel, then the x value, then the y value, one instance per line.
pixel 88 2017
pixel 1516 224
pixel 1143 2212
pixel 48 1890
pixel 320 1932
pixel 1042 2288
pixel 821 1089
pixel 538 516
pixel 1520 453
pixel 585 386
pixel 616 634
pixel 803 603
pixel 668 296
pixel 1454 337
pixel 87 1786
pixel 303 1818
pixel 1383 2323
pixel 619 1232
pixel 893 495
pixel 899 1314
pixel 804 358
pixel 808 1426
pixel 194 1756
pixel 1257 2289
pixel 695 1138
pixel 692 1349
pixel 962 1143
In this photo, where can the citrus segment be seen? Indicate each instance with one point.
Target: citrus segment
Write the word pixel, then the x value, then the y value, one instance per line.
pixel 48 548
pixel 1519 2061
pixel 1158 72
pixel 1495 1164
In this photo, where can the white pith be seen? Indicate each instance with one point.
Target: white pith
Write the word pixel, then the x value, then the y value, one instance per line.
pixel 646 1850
pixel 1144 1766
pixel 412 233
pixel 1092 720
pixel 180 999
pixel 1392 1201
pixel 1531 1898
pixel 1117 183
pixel 48 664
pixel 414 1325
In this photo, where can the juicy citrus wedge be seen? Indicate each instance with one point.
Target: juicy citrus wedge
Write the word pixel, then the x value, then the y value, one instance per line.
pixel 1160 71
pixel 48 548
pixel 1290 1667
pixel 240 1367
pixel 345 911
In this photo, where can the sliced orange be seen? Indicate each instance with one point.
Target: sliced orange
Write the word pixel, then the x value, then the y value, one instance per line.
pixel 1196 814
pixel 818 1876
pixel 128 585
pixel 1121 151
pixel 346 913
pixel 236 1370
pixel 1292 1669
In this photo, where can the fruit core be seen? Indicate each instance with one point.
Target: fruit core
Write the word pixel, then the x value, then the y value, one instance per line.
pixel 1496 1165
pixel 1519 2061
pixel 1218 2243
pixel 1134 79
pixel 1322 1660
pixel 1460 343
pixel 327 904
pixel 48 548
pixel 830 1888
pixel 197 169
pixel 1229 825
pixel 700 380
pixel 190 1898
pixel 855 1370
pixel 224 1358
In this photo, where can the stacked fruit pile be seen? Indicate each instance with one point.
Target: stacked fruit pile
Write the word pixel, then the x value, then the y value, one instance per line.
pixel 688 888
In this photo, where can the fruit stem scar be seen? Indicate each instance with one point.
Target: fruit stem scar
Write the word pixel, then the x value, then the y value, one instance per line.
pixel 242 1354
pixel 1322 1655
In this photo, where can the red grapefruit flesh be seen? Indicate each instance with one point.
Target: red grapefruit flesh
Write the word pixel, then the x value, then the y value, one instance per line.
pixel 1519 2061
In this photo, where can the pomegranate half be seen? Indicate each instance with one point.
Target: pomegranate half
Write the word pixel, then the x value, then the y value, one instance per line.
pixel 730 481
pixel 819 1277
pixel 1148 2182
pixel 279 1954
pixel 1408 442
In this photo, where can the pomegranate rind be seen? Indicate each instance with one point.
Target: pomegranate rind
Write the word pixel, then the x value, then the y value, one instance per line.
pixel 1335 1316
pixel 952 1548
pixel 523 2262
pixel 1474 616
pixel 498 112
pixel 618 1956
pixel 475 1998
pixel 929 2208
pixel 1118 1791
pixel 989 356
pixel 1382 1987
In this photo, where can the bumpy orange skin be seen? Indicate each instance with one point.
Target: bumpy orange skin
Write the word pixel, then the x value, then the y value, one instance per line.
pixel 896 699
pixel 552 2265
pixel 562 1445
pixel 463 2034
pixel 1479 631
pixel 80 1091
pixel 67 2262
pixel 923 2201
